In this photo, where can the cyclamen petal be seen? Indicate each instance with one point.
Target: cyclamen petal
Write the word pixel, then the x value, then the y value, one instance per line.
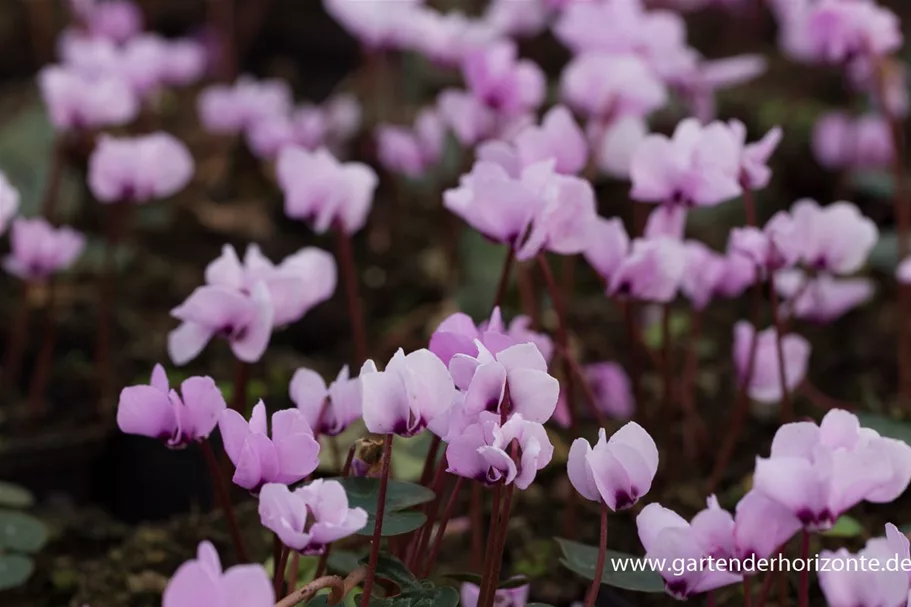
pixel 139 169
pixel 202 581
pixel 39 250
pixel 765 380
pixel 9 202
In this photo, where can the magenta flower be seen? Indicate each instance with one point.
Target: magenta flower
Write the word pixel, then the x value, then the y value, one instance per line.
pixel 822 298
pixel 836 238
pixel 776 246
pixel 842 142
pixel 407 395
pixel 516 20
pixel 115 20
pixel 300 282
pixel 704 274
pixel 765 381
pixel 819 472
pixel 311 517
pixel 482 451
pixel 505 597
pixel 457 335
pixel 39 250
pixel 698 166
pixel 377 24
pixel 614 144
pixel 762 526
pixel 75 101
pixel 558 138
pixel 616 472
pixel 320 189
pixel 412 152
pixel 157 411
pixel 469 119
pixel 855 583
pixel 9 202
pixel 519 371
pixel 308 126
pixel 290 455
pixel 447 38
pixel 699 85
pixel 612 390
pixel 245 320
pixel 667 536
pixel 754 171
pixel 504 82
pixel 606 86
pixel 201 581
pixel 185 62
pixel 652 270
pixel 329 410
pixel 229 110
pixel 139 169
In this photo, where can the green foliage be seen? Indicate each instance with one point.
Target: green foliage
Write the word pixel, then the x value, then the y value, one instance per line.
pixel 14 496
pixel 395 523
pixel 582 559
pixel 875 183
pixel 884 256
pixel 414 592
pixel 20 535
pixel 845 526
pixel 15 570
pixel 343 561
pixel 400 496
pixel 886 426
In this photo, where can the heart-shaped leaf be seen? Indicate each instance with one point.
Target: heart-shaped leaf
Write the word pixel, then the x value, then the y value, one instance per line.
pixel 395 523
pixel 421 597
pixel 14 496
pixel 364 493
pixel 390 568
pixel 15 570
pixel 516 581
pixel 886 426
pixel 21 532
pixel 845 526
pixel 343 561
pixel 466 577
pixel 618 567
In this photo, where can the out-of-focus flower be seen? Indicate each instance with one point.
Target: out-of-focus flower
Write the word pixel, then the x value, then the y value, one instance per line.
pixel 139 169
pixel 202 579
pixel 651 271
pixel 39 250
pixel 504 82
pixel 377 24
pixel 329 410
pixel 447 38
pixel 469 119
pixel 842 142
pixel 9 202
pixel 699 85
pixel 231 109
pixel 516 19
pixel 611 387
pixel 412 151
pixel 822 298
pixel 614 144
pixel 765 380
pixel 78 102
pixel 505 597
pixel 602 86
pixel 558 138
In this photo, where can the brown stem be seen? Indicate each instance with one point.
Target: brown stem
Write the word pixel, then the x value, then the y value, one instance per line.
pixel 52 188
pixel 241 382
pixel 499 547
pixel 803 592
pixel 504 276
pixel 45 355
pixel 694 430
pixel 378 528
pixel 766 587
pixel 591 399
pixel 599 567
pixel 281 563
pixel 221 14
pixel 634 343
pixel 221 492
pixel 339 588
pixel 353 298
pixel 346 469
pixel 562 335
pixel 431 458
pixel 747 591
pixel 295 567
pixel 787 411
pixel 710 599
pixel 15 347
pixel 477 524
pixel 441 528
pixel 488 550
pixel 107 294
pixel 422 536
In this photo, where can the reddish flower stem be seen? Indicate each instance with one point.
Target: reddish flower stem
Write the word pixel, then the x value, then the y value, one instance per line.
pixel 527 296
pixel 503 283
pixel 348 268
pixel 241 382
pixel 421 537
pixel 378 528
pixel 15 347
pixel 599 566
pixel 710 598
pixel 693 428
pixel 320 566
pixel 477 524
pixel 488 551
pixel 803 592
pixel 441 528
pixel 500 545
pixel 432 453
pixel 591 398
pixel 52 188
pixel 221 493
pixel 766 587
pixel 116 218
pixel 281 563
pixel 295 566
pixel 747 591
pixel 634 343
pixel 562 335
pixel 787 410
pixel 45 355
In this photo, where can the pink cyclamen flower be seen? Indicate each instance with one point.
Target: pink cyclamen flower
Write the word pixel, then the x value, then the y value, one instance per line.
pixel 185 62
pixel 9 202
pixel 469 119
pixel 311 517
pixel 516 20
pixel 296 285
pixel 611 387
pixel 616 472
pixel 698 166
pixel 78 102
pixel 842 142
pixel 447 38
pixel 320 189
pixel 651 271
pixel 699 85
pixel 903 272
pixel 407 395
pixel 704 273
pixel 482 451
pixel 115 20
pixel 139 169
pixel 245 320
pixel 558 138
pixel 821 298
pixel 666 536
pixel 853 583
pixel 377 24
pixel 412 152
pixel 40 250
pixel 157 411
pixel 202 581
pixel 505 597
pixel 765 379
pixel 762 526
pixel 229 110
pixel 606 86
pixel 518 371
pixel 458 332
pixel 290 455
pixel 836 238
pixel 819 472
pixel 614 144
pixel 504 82
pixel 754 157
pixel 329 410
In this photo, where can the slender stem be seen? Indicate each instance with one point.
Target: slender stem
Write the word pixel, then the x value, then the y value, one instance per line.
pixel 591 399
pixel 477 524
pixel 693 429
pixel 45 355
pixel 766 587
pixel 562 334
pixel 431 458
pixel 346 469
pixel 295 567
pixel 323 562
pixel 378 529
pixel 221 492
pixel 241 382
pixel 667 364
pixel 747 591
pixel 221 13
pixel 504 276
pixel 500 545
pixel 107 295
pixel 822 400
pixel 488 550
pixel 278 579
pixel 346 262
pixel 599 567
pixel 526 280
pixel 441 528
pixel 12 358
pixel 787 411
pixel 422 536
pixel 634 342
pixel 710 599
pixel 52 188
pixel 741 408
pixel 339 588
pixel 803 593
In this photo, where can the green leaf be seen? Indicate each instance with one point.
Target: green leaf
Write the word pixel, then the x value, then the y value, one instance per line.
pixel 516 581
pixel 421 597
pixel 344 561
pixel 364 493
pixel 409 456
pixel 679 325
pixel 845 526
pixel 15 570
pixel 876 183
pixel 395 523
pixel 15 496
pixel 886 426
pixel 884 255
pixel 390 568
pixel 21 532
pixel 582 560
pixel 466 577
